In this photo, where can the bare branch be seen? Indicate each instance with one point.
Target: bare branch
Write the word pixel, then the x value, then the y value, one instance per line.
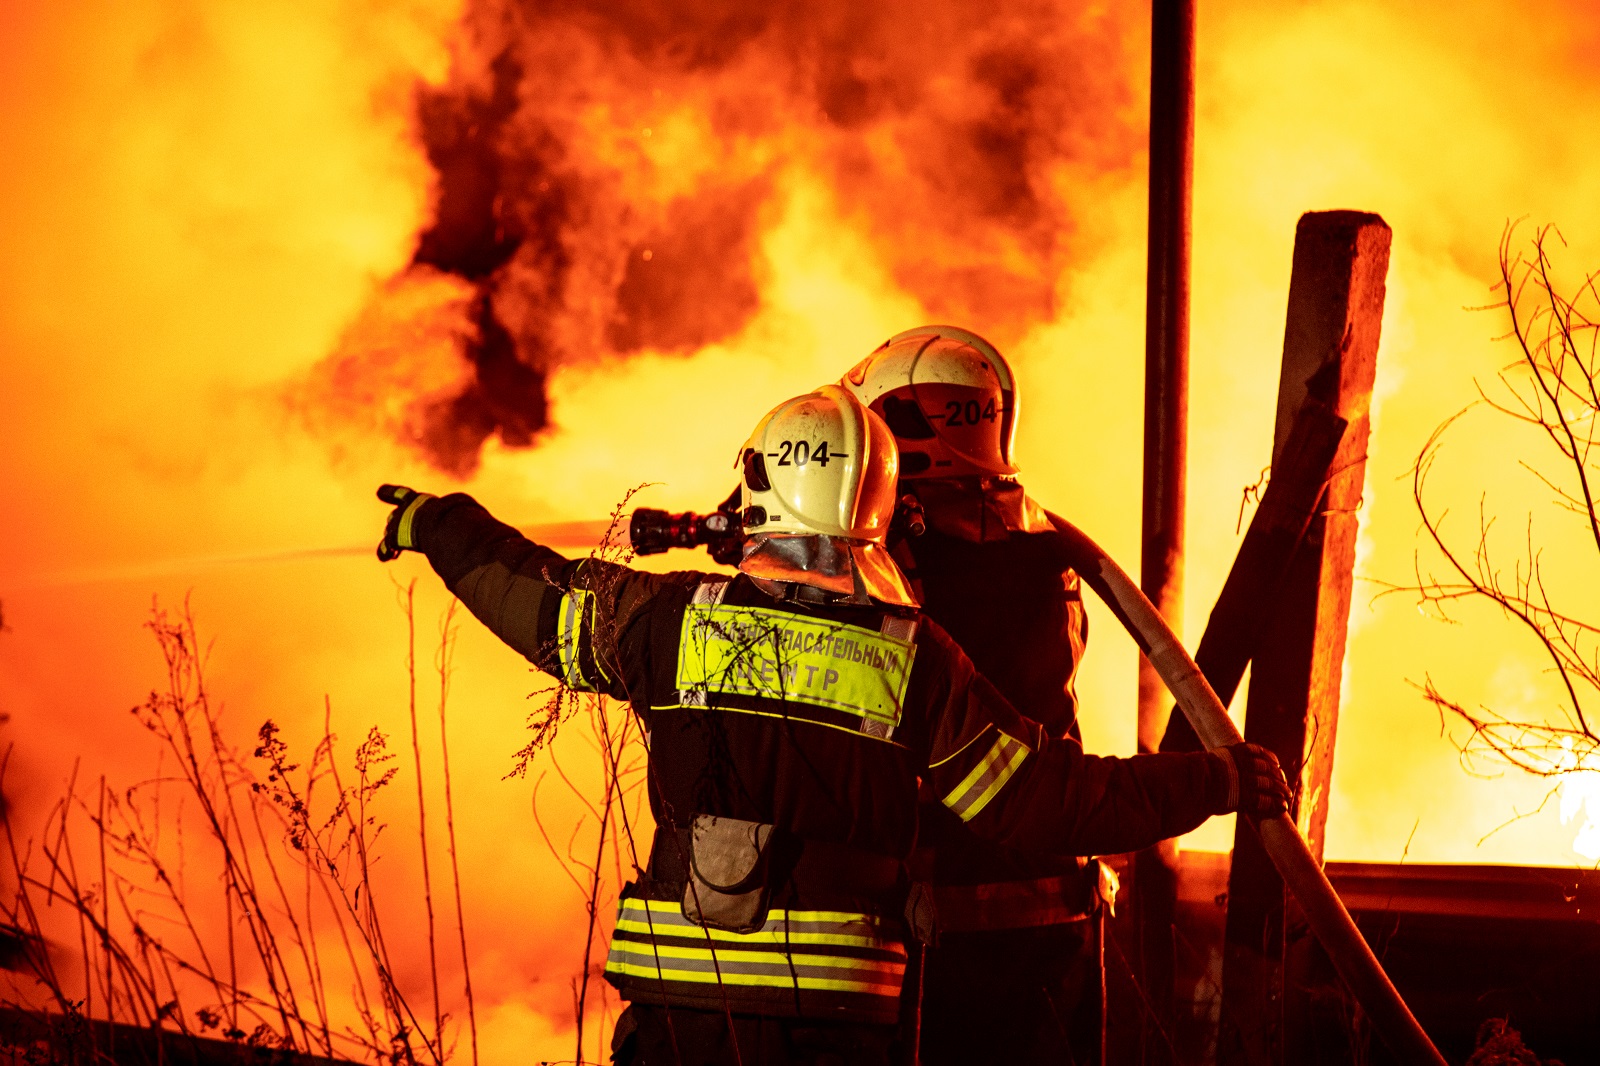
pixel 1552 387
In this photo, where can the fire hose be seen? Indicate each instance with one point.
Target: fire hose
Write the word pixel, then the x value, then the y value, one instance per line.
pixel 1324 911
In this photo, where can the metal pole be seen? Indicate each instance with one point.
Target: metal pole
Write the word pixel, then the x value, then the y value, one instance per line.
pixel 1166 410
pixel 1166 380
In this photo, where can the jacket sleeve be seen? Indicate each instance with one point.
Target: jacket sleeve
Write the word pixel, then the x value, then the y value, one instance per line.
pixel 1008 780
pixel 583 622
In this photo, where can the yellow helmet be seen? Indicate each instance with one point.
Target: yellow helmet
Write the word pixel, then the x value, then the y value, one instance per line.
pixel 948 396
pixel 822 465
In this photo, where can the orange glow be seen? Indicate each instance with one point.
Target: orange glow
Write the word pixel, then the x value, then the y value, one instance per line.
pixel 215 345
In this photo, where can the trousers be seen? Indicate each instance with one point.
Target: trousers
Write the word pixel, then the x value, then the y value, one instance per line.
pixel 649 1035
pixel 1015 995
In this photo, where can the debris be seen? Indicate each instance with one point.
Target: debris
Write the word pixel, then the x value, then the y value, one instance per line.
pixel 1499 1044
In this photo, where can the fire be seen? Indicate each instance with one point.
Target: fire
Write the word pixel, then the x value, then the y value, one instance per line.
pixel 1580 800
pixel 260 258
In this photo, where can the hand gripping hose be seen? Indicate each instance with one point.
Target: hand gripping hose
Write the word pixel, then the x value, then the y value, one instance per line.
pixel 1324 910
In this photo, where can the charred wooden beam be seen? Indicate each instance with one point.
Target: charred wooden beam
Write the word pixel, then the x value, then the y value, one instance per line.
pixel 1229 642
pixel 1336 293
pixel 1286 510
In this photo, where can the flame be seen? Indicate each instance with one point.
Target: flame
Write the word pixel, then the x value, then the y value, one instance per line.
pixel 1579 789
pixel 260 257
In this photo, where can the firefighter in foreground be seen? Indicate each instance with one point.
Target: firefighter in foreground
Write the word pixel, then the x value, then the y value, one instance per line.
pixel 789 713
pixel 1017 973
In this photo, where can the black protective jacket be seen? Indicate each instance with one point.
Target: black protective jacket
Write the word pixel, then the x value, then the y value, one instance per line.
pixel 786 742
pixel 994 572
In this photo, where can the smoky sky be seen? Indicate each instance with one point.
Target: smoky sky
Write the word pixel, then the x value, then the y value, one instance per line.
pixel 950 137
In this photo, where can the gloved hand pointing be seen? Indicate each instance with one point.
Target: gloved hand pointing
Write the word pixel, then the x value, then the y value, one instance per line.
pixel 1256 785
pixel 398 535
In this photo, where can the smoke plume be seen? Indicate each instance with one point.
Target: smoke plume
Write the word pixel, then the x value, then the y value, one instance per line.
pixel 605 172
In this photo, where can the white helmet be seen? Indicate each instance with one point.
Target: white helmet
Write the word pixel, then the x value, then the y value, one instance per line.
pixel 822 465
pixel 948 396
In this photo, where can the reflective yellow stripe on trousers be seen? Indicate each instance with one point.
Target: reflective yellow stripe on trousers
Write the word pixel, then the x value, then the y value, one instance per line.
pixel 826 951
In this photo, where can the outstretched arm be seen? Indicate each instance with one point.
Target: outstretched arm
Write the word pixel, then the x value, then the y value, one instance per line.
pixel 570 618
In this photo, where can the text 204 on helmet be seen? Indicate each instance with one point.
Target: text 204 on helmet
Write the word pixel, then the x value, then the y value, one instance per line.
pixel 948 396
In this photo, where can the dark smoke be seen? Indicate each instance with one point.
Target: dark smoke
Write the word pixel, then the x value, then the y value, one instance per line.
pixel 473 238
pixel 951 136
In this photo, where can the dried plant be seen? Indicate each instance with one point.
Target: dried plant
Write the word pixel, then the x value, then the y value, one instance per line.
pixel 216 932
pixel 1552 388
pixel 601 851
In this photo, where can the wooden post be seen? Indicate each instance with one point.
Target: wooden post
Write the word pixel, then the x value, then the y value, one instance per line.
pixel 1336 290
pixel 1292 499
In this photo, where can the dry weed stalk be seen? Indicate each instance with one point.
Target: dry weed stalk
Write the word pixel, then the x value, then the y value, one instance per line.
pixel 610 811
pixel 219 935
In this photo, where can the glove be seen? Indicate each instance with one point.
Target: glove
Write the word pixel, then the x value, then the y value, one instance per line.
pixel 1256 785
pixel 399 534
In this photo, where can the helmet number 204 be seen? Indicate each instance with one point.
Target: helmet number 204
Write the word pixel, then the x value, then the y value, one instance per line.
pixel 957 413
pixel 802 452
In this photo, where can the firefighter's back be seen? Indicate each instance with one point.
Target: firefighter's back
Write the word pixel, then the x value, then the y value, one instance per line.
pixel 784 791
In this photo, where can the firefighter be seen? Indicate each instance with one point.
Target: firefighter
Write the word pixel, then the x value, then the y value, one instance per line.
pixel 789 712
pixel 1016 975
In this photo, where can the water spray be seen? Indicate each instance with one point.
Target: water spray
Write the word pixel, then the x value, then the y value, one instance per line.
pixel 579 535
